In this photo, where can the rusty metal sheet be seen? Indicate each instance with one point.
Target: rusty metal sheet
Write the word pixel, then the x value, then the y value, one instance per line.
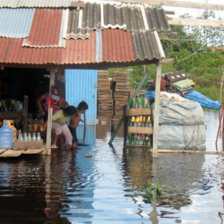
pixel 45 28
pixel 117 46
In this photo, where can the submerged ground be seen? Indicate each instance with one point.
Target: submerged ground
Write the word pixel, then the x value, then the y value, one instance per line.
pixel 102 184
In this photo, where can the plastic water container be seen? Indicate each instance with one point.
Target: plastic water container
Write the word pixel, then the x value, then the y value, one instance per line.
pixel 6 137
pixel 11 125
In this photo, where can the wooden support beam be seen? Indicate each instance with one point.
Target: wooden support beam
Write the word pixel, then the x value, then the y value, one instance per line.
pixel 156 111
pixel 221 85
pixel 186 4
pixel 175 3
pixel 25 113
pixel 195 22
pixel 50 111
pixel 187 151
pixel 170 12
pixel 167 60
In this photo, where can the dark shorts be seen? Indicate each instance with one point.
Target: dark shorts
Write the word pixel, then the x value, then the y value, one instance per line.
pixel 73 132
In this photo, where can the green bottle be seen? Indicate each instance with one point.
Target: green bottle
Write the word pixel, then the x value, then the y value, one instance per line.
pixel 142 102
pixel 129 102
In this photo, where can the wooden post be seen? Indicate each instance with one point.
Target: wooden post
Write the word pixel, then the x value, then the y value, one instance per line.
pixel 25 113
pixel 221 85
pixel 156 111
pixel 50 111
pixel 220 100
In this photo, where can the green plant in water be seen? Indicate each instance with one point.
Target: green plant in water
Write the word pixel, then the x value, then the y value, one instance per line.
pixel 154 191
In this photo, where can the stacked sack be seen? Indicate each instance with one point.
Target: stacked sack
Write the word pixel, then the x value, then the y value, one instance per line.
pixel 181 123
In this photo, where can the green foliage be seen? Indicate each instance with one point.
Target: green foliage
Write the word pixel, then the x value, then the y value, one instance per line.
pixel 192 53
pixel 154 191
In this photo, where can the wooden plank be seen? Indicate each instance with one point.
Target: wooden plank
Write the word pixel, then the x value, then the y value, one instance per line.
pixel 121 98
pixel 25 112
pixel 138 111
pixel 188 151
pixel 140 130
pixel 120 76
pixel 196 22
pixel 138 146
pixel 33 151
pixel 10 115
pixel 175 150
pixel 175 3
pixel 221 85
pixel 122 89
pixel 157 109
pixel 167 60
pixel 11 153
pixel 120 93
pixel 2 150
pixel 50 112
pixel 28 145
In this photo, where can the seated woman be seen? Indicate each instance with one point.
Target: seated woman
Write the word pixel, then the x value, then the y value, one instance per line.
pixel 59 125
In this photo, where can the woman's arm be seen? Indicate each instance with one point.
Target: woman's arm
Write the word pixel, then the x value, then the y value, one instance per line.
pixel 40 106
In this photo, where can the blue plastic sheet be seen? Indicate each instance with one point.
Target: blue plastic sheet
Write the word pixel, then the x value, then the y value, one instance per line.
pixel 203 100
pixel 193 95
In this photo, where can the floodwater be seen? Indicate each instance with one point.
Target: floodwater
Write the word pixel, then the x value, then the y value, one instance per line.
pixel 100 184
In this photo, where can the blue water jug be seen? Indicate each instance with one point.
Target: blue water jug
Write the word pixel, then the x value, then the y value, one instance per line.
pixel 6 137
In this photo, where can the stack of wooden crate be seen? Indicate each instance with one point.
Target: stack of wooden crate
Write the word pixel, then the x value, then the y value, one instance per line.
pixel 105 101
pixel 122 91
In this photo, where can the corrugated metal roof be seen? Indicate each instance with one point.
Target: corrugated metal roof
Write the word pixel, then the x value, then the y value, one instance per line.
pixel 156 19
pixel 45 28
pixel 9 3
pixel 42 3
pixel 46 43
pixel 80 51
pixel 35 3
pixel 91 16
pixel 117 46
pixel 15 23
pixel 76 52
pixel 145 46
pixel 103 16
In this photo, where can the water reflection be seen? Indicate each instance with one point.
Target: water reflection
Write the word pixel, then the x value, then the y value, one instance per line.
pixel 109 185
pixel 27 193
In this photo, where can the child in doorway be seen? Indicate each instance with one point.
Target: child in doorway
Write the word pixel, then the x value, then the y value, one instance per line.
pixel 82 107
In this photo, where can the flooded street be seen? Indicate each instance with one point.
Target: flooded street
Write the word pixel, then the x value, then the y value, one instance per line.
pixel 100 184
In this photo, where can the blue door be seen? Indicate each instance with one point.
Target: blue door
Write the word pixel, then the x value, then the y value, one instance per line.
pixel 81 85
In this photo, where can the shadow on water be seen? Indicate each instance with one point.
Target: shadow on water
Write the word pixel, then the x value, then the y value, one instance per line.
pixel 100 184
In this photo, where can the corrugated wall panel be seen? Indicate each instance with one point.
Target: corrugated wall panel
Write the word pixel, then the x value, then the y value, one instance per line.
pixel 81 85
pixel 87 137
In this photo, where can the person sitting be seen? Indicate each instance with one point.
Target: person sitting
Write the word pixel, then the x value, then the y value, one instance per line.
pixel 75 119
